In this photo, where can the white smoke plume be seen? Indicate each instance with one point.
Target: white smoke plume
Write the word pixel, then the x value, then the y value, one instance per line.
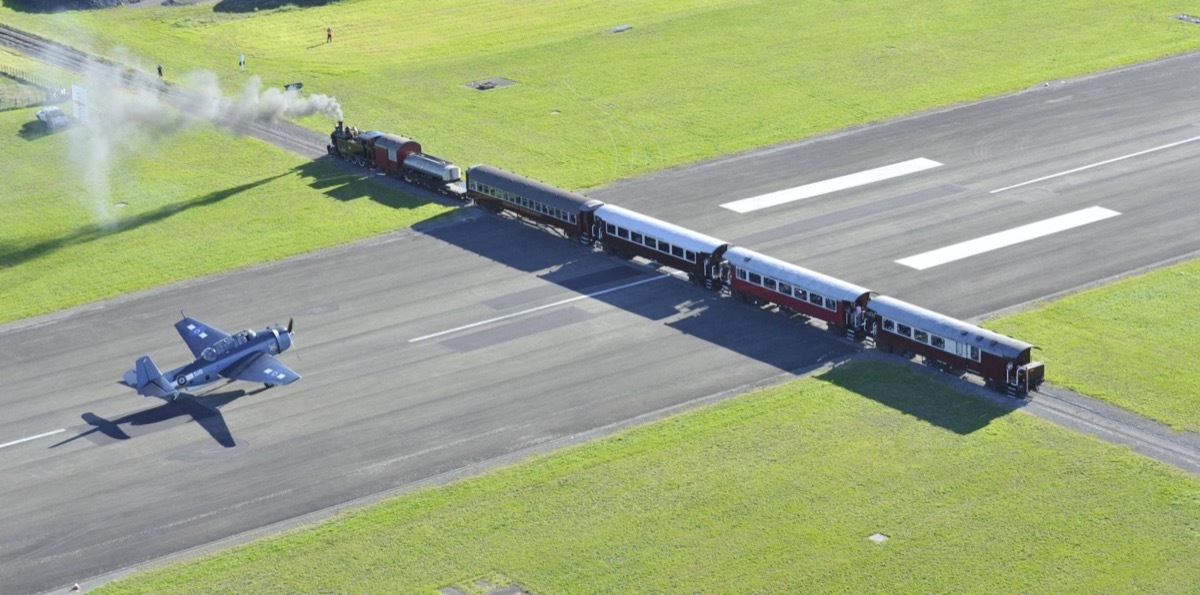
pixel 131 111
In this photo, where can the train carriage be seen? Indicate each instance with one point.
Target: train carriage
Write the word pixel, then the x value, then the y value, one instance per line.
pixel 1001 360
pixel 498 190
pixel 758 277
pixel 627 233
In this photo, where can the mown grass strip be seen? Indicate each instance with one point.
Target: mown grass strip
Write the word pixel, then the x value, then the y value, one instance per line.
pixel 692 79
pixel 775 491
pixel 1131 343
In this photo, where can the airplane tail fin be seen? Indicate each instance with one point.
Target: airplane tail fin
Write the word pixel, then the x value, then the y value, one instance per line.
pixel 150 382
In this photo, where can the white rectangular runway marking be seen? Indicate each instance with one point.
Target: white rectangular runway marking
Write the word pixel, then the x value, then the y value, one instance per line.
pixel 861 178
pixel 1003 239
pixel 531 310
pixel 1098 164
pixel 43 435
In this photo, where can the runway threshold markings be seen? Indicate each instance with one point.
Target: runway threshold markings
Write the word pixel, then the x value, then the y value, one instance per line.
pixel 1007 238
pixel 42 435
pixel 539 308
pixel 1098 164
pixel 870 176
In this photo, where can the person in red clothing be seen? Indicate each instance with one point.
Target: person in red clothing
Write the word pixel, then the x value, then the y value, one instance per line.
pixel 328 34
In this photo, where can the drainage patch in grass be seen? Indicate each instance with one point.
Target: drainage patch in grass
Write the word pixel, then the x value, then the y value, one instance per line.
pixel 121 205
pixel 1187 18
pixel 492 83
pixel 498 586
pixel 878 538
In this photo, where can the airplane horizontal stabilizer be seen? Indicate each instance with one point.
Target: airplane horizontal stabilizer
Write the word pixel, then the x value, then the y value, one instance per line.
pixel 150 381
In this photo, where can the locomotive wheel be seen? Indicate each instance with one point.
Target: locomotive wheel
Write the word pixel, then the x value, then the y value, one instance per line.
pixel 345 157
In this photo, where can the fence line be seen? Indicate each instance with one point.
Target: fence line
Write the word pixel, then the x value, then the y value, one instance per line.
pixel 50 91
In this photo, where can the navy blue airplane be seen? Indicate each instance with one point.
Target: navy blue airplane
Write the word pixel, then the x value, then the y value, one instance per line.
pixel 248 356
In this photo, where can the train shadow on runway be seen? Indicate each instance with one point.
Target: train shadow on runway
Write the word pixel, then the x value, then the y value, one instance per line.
pixel 786 344
pixel 204 410
pixel 346 182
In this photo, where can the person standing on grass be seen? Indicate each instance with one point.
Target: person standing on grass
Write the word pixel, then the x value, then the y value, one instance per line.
pixel 328 34
pixel 160 71
pixel 242 61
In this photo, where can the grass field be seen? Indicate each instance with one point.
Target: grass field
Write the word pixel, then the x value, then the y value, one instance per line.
pixel 775 491
pixel 1132 343
pixel 692 79
pixel 198 203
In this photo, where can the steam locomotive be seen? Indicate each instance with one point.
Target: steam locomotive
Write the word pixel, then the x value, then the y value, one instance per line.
pixel 398 156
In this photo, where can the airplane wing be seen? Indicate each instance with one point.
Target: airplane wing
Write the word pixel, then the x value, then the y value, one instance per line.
pixel 198 335
pixel 261 368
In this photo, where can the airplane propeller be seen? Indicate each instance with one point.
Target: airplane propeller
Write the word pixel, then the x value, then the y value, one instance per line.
pixel 290 321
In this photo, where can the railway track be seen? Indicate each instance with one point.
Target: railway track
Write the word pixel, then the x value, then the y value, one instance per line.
pixel 285 135
pixel 1118 426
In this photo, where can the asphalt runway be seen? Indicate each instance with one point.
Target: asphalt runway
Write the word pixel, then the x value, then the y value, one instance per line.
pixel 131 479
pixel 125 480
pixel 858 234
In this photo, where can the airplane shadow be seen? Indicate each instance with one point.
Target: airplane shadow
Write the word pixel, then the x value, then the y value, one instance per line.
pixel 204 410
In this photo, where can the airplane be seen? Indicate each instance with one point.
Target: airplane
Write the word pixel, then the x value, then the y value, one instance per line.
pixel 248 356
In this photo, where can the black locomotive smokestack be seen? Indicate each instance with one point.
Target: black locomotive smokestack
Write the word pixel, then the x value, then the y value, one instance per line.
pixel 339 125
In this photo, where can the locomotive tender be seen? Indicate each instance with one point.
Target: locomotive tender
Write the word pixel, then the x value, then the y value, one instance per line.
pixel 862 315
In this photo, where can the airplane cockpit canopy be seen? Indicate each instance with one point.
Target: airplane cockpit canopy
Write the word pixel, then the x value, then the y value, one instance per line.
pixel 211 352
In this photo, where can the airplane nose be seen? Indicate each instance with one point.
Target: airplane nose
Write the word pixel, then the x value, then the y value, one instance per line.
pixel 284 341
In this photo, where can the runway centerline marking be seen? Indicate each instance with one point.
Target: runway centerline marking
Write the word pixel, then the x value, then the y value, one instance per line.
pixel 1006 238
pixel 531 310
pixel 1098 164
pixel 42 435
pixel 861 178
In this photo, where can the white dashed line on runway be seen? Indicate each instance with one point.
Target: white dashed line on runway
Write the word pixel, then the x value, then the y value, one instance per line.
pixel 1003 239
pixel 1097 164
pixel 861 178
pixel 43 435
pixel 531 310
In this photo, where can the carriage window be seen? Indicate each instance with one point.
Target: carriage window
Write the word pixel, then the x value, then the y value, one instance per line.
pixel 889 325
pixel 974 353
pixel 677 251
pixel 741 274
pixel 610 229
pixel 903 330
pixel 664 247
pixel 769 283
pixel 785 289
pixel 635 236
pixel 622 233
pixel 755 278
pixel 937 341
pixel 921 336
pixel 651 242
pixel 816 299
pixel 691 256
pixel 573 219
pixel 830 304
pixel 800 294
